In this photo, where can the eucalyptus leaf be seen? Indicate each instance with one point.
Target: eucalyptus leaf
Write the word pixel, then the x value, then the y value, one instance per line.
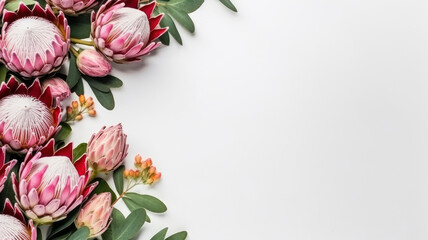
pixel 108 234
pixel 145 201
pixel 178 236
pixel 62 237
pixel 42 3
pixel 39 234
pixel 229 5
pixel 79 151
pixel 118 179
pixel 80 25
pixel 93 83
pixel 59 226
pixel 132 225
pixel 185 5
pixel 64 132
pixel 168 22
pixel 160 235
pixel 117 221
pixel 78 88
pixel 103 187
pixel 183 18
pixel 3 73
pixel 74 74
pixel 14 5
pixel 165 37
pixel 105 98
pixel 80 234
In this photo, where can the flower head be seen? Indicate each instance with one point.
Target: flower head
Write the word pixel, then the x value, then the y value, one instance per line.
pixel 72 7
pixel 13 225
pixel 107 149
pixel 59 88
pixel 93 63
pixel 34 42
pixel 95 214
pixel 28 116
pixel 50 184
pixel 124 32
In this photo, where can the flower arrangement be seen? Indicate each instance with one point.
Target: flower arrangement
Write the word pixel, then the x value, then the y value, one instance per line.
pixel 47 49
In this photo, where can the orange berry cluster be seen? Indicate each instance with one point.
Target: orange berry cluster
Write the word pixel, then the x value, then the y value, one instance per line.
pixel 145 171
pixel 78 108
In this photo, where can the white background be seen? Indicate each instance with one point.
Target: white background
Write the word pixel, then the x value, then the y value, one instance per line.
pixel 293 119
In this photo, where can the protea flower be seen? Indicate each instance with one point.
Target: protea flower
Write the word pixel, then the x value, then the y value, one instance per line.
pixel 72 7
pixel 107 149
pixel 4 168
pixel 13 225
pixel 95 214
pixel 59 88
pixel 34 42
pixel 123 32
pixel 93 63
pixel 50 185
pixel 28 116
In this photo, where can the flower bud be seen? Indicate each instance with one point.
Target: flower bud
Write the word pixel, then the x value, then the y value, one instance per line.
pixel 82 99
pixel 59 88
pixel 92 113
pixel 78 117
pixel 107 149
pixel 92 63
pixel 95 214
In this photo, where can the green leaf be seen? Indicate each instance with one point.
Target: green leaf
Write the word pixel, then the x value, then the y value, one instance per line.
pixel 178 236
pixel 165 37
pixel 105 98
pixel 14 5
pixel 118 179
pixel 39 234
pixel 96 84
pixel 80 234
pixel 108 234
pixel 168 22
pixel 3 73
pixel 74 74
pixel 64 132
pixel 132 225
pixel 185 5
pixel 80 25
pixel 110 81
pixel 117 221
pixel 145 201
pixel 8 186
pixel 58 227
pixel 229 5
pixel 160 235
pixel 79 88
pixel 79 151
pixel 103 187
pixel 62 237
pixel 42 3
pixel 183 18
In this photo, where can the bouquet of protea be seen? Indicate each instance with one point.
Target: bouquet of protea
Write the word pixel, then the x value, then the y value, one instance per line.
pixel 44 180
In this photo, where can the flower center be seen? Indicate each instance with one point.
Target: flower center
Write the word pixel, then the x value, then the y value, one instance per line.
pixel 129 21
pixel 57 166
pixel 25 115
pixel 12 228
pixel 29 36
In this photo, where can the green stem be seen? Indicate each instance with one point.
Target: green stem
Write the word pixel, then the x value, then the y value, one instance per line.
pixel 80 41
pixel 74 51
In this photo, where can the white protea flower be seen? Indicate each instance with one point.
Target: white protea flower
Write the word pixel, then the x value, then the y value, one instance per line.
pixel 13 225
pixel 123 31
pixel 50 184
pixel 34 42
pixel 29 117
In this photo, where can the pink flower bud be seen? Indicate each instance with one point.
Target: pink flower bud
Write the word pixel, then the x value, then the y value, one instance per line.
pixel 107 149
pixel 59 88
pixel 93 63
pixel 95 214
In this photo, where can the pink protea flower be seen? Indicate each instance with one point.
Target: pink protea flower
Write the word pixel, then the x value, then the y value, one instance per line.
pixel 13 225
pixel 107 149
pixel 34 42
pixel 93 63
pixel 4 167
pixel 59 88
pixel 28 116
pixel 72 7
pixel 50 185
pixel 95 214
pixel 123 32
